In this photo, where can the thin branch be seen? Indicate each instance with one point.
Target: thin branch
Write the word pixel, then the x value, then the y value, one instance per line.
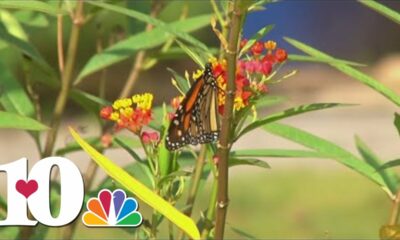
pixel 140 56
pixel 238 15
pixel 66 80
pixel 394 214
pixel 60 45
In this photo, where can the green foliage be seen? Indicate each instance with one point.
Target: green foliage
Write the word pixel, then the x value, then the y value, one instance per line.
pixel 362 77
pixel 12 120
pixel 256 37
pixel 329 149
pixel 32 5
pixel 382 9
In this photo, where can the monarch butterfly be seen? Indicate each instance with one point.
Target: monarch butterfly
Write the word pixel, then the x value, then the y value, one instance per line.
pixel 196 119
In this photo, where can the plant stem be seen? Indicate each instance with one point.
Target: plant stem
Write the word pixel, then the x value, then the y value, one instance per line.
pixel 394 214
pixel 194 184
pixel 140 56
pixel 210 211
pixel 66 79
pixel 238 15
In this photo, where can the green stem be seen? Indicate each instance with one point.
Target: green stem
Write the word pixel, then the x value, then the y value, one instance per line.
pixel 66 80
pixel 394 214
pixel 210 211
pixel 238 14
pixel 194 183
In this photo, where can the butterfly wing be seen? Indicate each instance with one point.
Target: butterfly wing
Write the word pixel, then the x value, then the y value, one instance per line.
pixel 196 119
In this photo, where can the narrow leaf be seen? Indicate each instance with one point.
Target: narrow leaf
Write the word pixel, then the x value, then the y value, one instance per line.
pixel 248 161
pixel 362 77
pixel 302 58
pixel 192 54
pixel 397 122
pixel 141 41
pixel 328 149
pixel 150 20
pixel 288 113
pixel 33 5
pixel 390 164
pixel 260 34
pixel 12 120
pixel 382 9
pixel 141 191
pixel 388 176
pixel 12 95
pixel 281 153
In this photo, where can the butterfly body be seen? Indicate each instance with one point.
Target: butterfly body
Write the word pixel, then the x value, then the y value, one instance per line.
pixel 196 120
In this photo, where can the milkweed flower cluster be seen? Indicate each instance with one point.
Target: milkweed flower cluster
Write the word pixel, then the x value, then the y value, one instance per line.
pixel 131 113
pixel 253 68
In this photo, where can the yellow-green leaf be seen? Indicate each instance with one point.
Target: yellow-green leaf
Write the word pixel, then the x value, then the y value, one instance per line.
pixel 140 190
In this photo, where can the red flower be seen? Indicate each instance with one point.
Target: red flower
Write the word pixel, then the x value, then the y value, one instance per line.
pixel 106 112
pixel 269 58
pixel 280 55
pixel 257 48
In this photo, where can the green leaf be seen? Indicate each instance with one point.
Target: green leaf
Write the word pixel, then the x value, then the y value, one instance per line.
pixel 247 161
pixel 147 195
pixel 73 146
pixel 24 47
pixel 242 233
pixel 281 153
pixel 182 83
pixel 12 120
pixel 382 9
pixel 192 54
pixel 12 25
pixel 288 113
pixel 89 102
pixel 12 95
pixel 153 21
pixel 362 77
pixel 268 100
pixel 397 122
pixel 390 164
pixel 141 41
pixel 388 176
pixel 33 5
pixel 33 19
pixel 260 34
pixel 127 148
pixel 302 58
pixel 328 149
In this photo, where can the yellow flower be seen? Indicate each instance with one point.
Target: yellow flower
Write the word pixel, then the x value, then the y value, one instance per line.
pixel 143 101
pixel 114 116
pixel 239 104
pixel 122 103
pixel 197 74
pixel 270 45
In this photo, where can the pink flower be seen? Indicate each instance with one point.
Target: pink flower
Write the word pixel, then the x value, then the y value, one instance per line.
pixel 150 137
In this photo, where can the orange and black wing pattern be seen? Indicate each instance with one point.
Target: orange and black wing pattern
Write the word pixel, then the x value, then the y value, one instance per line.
pixel 196 119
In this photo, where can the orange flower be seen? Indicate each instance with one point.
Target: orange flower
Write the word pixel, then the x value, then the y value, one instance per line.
pixel 130 113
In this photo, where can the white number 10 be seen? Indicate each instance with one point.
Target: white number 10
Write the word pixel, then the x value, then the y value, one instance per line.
pixel 33 191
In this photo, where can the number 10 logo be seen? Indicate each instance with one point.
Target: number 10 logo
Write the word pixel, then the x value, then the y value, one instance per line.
pixel 33 191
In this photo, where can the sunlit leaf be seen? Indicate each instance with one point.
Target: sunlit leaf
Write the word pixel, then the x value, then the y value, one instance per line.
pixel 329 149
pixel 141 41
pixel 288 113
pixel 382 9
pixel 12 120
pixel 362 77
pixel 150 20
pixel 387 175
pixel 33 5
pixel 141 191
pixel 33 19
pixel 302 58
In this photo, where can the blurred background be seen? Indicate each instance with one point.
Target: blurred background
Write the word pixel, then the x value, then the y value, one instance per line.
pixel 296 198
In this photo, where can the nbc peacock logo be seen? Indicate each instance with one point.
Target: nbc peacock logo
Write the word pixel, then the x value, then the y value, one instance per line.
pixel 112 209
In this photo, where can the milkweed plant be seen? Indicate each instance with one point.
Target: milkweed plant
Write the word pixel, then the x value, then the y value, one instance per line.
pixel 171 181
